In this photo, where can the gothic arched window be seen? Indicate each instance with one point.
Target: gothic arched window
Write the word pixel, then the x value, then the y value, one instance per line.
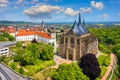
pixel 66 40
pixel 61 41
pixel 72 40
pixel 78 41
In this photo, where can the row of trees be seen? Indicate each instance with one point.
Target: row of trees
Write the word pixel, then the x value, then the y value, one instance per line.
pixel 6 37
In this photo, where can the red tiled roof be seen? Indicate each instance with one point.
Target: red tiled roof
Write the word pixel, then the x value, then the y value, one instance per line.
pixel 9 30
pixel 25 32
pixel 43 34
pixel 30 32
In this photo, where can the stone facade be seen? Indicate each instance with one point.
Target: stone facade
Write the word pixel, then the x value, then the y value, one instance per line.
pixel 72 46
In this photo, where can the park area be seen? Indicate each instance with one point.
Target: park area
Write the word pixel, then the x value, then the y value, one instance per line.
pixel 30 59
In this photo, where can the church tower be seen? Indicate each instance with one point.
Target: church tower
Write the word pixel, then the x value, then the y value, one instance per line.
pixel 77 42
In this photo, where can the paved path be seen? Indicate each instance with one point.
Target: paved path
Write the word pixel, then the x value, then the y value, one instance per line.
pixel 109 68
pixel 59 60
pixel 8 72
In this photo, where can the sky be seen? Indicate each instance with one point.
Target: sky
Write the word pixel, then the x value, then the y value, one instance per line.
pixel 60 10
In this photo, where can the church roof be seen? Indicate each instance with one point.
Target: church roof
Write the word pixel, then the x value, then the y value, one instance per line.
pixel 78 29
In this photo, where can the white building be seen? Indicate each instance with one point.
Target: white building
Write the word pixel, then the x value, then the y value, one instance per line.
pixel 4 47
pixel 4 51
pixel 29 35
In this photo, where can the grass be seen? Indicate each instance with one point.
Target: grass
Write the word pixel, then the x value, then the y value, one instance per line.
pixel 32 69
pixel 44 75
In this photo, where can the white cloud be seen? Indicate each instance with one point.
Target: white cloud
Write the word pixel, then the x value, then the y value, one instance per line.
pixel 86 10
pixel 70 12
pixel 19 2
pixel 104 16
pixel 97 5
pixel 3 3
pixel 41 11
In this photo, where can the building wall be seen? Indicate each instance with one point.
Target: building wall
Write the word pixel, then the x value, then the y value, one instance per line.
pixel 38 38
pixel 73 47
pixel 25 38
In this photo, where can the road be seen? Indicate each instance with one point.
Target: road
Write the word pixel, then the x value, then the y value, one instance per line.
pixel 4 75
pixel 8 74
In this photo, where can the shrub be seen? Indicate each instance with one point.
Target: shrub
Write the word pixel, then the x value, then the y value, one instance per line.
pixel 21 71
pixel 13 66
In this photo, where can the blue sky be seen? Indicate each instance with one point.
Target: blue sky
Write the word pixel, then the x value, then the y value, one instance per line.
pixel 59 10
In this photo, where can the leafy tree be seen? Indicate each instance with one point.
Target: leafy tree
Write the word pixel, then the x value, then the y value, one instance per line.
pixel 18 57
pixel 5 34
pixel 116 48
pixel 11 38
pixel 47 53
pixel 34 41
pixel 69 72
pixel 90 66
pixel 32 52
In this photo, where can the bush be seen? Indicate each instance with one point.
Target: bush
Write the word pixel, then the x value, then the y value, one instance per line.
pixel 21 71
pixel 2 58
pixel 19 44
pixel 13 66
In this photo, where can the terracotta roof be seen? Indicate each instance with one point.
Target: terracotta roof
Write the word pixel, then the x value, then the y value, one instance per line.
pixel 30 32
pixel 25 32
pixel 9 30
pixel 43 34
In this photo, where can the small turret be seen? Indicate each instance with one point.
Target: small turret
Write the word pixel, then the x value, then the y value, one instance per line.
pixel 79 21
pixel 83 22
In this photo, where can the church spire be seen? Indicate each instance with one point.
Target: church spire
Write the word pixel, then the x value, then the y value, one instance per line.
pixel 74 24
pixel 83 22
pixel 79 22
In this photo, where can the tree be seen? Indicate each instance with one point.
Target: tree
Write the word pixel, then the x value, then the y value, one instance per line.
pixel 47 53
pixel 34 41
pixel 69 72
pixel 32 52
pixel 90 66
pixel 11 38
